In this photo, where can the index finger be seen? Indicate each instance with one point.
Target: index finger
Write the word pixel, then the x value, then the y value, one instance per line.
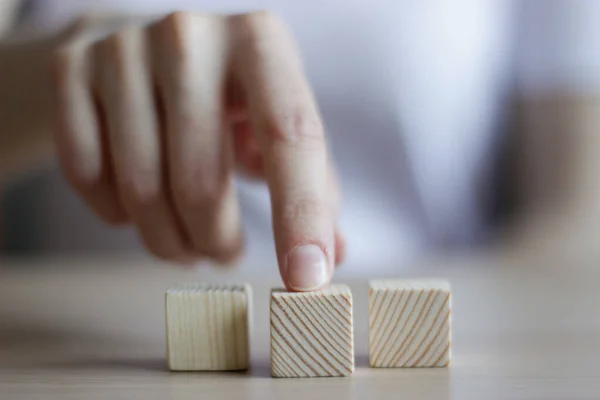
pixel 290 134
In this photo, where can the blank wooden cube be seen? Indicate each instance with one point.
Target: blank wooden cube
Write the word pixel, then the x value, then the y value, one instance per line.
pixel 312 333
pixel 409 323
pixel 208 327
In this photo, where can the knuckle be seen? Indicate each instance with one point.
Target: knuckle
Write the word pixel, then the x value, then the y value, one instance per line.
pixel 175 35
pixel 117 46
pixel 178 19
pixel 112 45
pixel 68 65
pixel 254 26
pixel 83 22
pixel 118 56
pixel 103 54
pixel 300 127
pixel 256 21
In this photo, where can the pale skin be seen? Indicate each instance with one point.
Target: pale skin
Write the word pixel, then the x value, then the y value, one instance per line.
pixel 150 130
pixel 152 119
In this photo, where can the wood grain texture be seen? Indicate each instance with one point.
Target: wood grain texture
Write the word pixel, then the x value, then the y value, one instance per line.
pixel 312 333
pixel 208 327
pixel 94 329
pixel 409 323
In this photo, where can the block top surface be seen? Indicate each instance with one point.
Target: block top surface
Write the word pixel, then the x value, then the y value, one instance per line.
pixel 336 289
pixel 192 288
pixel 408 284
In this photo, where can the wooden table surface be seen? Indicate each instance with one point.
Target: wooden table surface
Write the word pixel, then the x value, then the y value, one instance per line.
pixel 522 329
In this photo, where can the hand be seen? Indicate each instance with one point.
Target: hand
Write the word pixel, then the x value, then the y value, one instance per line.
pixel 155 117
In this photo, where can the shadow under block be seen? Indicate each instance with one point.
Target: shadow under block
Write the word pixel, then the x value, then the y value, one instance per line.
pixel 312 333
pixel 208 327
pixel 409 323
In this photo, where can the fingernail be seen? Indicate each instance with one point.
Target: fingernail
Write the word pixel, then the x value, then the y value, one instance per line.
pixel 307 268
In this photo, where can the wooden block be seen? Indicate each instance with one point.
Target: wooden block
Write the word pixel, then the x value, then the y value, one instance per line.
pixel 208 327
pixel 409 323
pixel 312 333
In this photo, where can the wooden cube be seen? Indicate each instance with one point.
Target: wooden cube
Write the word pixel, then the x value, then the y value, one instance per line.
pixel 208 327
pixel 312 333
pixel 409 323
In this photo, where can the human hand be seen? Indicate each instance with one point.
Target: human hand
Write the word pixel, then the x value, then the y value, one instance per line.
pixel 154 118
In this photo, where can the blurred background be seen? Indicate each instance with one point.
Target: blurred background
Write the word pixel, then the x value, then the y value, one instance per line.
pixel 466 135
pixel 456 126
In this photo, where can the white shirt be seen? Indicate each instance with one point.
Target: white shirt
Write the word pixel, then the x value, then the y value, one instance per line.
pixel 413 95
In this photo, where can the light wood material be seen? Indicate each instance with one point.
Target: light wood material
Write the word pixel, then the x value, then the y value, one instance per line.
pixel 522 328
pixel 207 327
pixel 409 323
pixel 312 333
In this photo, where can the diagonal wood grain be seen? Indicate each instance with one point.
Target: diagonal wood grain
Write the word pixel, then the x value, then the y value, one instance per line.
pixel 312 333
pixel 409 323
pixel 208 327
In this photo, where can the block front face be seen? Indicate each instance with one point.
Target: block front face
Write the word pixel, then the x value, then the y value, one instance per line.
pixel 208 327
pixel 409 323
pixel 312 333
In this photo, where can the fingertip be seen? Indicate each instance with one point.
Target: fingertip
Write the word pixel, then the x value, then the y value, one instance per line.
pixel 109 210
pixel 116 218
pixel 306 269
pixel 230 260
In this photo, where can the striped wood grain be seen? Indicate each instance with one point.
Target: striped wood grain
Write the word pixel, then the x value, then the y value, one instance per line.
pixel 312 333
pixel 409 323
pixel 208 327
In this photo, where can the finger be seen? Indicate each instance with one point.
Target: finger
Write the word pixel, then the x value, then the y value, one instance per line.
pixel 191 68
pixel 235 100
pixel 335 203
pixel 340 247
pixel 247 154
pixel 125 91
pixel 250 162
pixel 334 192
pixel 290 134
pixel 248 157
pixel 80 137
